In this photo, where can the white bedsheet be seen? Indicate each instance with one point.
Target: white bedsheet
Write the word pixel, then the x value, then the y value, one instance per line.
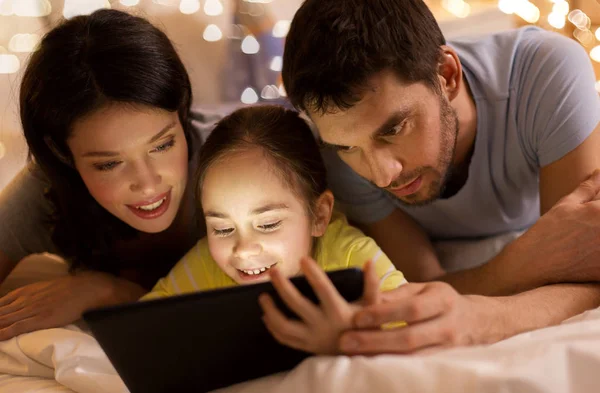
pixel 561 359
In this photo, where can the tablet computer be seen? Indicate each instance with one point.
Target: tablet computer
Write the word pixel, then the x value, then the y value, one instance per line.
pixel 201 341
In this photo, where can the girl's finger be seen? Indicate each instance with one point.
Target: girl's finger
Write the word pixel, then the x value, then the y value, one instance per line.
pixel 371 287
pixel 284 330
pixel 304 308
pixel 330 299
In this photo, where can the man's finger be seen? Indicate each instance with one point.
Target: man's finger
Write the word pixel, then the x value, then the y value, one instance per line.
pixel 585 191
pixel 417 307
pixel 401 340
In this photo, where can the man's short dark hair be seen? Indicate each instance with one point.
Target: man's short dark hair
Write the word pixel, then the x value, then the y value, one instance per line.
pixel 334 47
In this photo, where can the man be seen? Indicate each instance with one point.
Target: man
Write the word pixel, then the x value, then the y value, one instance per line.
pixel 426 140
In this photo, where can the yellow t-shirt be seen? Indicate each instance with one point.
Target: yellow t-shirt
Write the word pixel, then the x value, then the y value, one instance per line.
pixel 342 246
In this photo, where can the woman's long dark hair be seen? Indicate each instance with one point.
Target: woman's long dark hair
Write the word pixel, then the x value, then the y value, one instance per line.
pixel 81 66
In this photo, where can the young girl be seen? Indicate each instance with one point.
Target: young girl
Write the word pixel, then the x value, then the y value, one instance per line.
pixel 262 188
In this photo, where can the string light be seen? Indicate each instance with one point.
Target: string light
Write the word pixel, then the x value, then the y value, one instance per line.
pixel 31 8
pixel 249 96
pixel 595 53
pixel 213 7
pixel 277 63
pixel 189 7
pixel 270 92
pixel 75 7
pixel 250 45
pixel 23 42
pixel 598 33
pixel 212 33
pixel 129 3
pixel 168 3
pixel 9 64
pixel 457 7
pixel 282 91
pixel 580 19
pixel 281 28
pixel 6 8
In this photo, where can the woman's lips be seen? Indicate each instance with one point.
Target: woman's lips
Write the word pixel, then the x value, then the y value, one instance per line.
pixel 152 208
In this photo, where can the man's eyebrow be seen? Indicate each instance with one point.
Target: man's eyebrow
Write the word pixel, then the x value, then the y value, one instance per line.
pixel 393 120
pixel 156 137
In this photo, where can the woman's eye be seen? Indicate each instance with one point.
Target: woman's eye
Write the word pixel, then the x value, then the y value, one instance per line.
pixel 165 146
pixel 106 166
pixel 223 232
pixel 270 227
pixel 346 149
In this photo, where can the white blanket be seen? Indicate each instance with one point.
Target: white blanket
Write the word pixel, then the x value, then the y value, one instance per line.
pixel 561 359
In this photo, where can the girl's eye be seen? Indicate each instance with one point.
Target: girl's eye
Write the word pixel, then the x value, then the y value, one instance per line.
pixel 107 166
pixel 222 232
pixel 165 146
pixel 270 227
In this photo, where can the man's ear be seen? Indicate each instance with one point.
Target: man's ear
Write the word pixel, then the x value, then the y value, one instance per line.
pixel 449 72
pixel 322 214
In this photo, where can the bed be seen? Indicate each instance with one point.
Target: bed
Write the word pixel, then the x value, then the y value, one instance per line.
pixel 563 358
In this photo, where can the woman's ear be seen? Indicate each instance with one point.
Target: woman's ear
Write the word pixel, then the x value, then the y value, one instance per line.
pixel 322 213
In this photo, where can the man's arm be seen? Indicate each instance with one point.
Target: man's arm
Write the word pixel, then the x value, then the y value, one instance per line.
pixel 534 259
pixel 438 317
pixel 407 246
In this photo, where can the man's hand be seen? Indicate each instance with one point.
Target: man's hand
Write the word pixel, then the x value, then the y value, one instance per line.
pixel 58 302
pixel 437 317
pixel 320 326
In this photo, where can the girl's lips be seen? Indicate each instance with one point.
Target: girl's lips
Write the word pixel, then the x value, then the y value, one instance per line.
pixel 251 275
pixel 154 213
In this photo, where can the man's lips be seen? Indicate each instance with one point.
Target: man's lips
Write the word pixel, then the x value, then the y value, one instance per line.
pixel 407 189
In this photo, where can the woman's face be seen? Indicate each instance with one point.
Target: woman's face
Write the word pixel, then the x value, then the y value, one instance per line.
pixel 134 162
pixel 254 221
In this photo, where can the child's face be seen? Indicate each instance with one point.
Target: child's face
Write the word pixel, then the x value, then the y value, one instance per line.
pixel 253 220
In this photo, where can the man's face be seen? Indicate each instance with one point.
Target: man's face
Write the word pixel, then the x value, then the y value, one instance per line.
pixel 400 137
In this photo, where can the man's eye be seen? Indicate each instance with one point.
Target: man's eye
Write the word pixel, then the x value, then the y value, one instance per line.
pixel 223 232
pixel 394 130
pixel 345 149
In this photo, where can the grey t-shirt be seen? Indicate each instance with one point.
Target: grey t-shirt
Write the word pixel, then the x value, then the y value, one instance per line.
pixel 536 101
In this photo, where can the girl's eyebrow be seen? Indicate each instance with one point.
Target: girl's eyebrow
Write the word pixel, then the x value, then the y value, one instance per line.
pixel 269 207
pixel 255 212
pixel 156 137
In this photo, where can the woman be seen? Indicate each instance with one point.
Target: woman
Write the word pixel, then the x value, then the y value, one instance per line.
pixel 105 111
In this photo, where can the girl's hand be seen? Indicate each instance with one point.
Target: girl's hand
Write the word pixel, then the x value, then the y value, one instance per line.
pixel 58 302
pixel 320 326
